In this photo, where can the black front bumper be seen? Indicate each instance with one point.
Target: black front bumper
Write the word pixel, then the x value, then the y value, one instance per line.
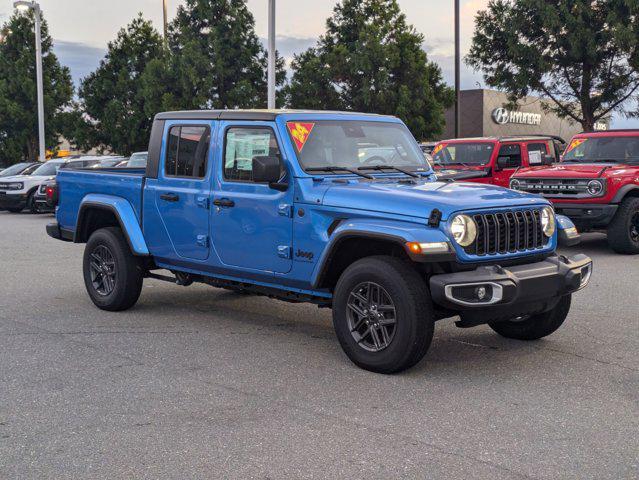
pixel 587 215
pixel 510 292
pixel 12 201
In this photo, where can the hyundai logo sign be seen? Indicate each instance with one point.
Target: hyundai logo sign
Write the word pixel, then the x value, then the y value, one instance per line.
pixel 502 116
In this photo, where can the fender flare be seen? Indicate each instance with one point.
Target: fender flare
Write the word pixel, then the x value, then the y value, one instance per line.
pixel 124 213
pixel 623 191
pixel 387 230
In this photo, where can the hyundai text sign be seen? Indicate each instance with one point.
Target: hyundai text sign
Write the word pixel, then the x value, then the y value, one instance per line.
pixel 502 116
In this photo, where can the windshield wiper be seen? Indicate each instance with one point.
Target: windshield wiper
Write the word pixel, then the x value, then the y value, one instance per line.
pixel 340 169
pixel 380 168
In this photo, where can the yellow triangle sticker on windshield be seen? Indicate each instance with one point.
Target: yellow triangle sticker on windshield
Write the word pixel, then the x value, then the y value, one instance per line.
pixel 575 143
pixel 300 132
pixel 438 148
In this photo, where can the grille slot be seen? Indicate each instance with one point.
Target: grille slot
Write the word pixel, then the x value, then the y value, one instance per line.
pixel 507 232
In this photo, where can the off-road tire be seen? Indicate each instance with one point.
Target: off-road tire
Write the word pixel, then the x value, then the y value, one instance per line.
pixel 619 234
pixel 536 326
pixel 413 307
pixel 128 271
pixel 31 205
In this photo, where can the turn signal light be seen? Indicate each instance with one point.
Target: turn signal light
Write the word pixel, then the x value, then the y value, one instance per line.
pixel 418 248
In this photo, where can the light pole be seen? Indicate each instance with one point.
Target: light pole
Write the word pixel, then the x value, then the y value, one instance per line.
pixel 164 19
pixel 271 54
pixel 457 70
pixel 24 5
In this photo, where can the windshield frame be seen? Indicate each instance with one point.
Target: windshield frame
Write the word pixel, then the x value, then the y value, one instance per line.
pixel 424 167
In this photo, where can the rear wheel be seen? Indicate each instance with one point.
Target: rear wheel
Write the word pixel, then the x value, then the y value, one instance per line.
pixel 15 209
pixel 382 314
pixel 535 326
pixel 112 274
pixel 623 231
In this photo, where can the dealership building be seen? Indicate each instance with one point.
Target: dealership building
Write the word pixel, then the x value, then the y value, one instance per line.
pixel 485 113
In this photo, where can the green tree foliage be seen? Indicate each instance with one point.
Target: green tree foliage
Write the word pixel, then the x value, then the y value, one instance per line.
pixel 18 92
pixel 371 60
pixel 112 102
pixel 214 60
pixel 581 54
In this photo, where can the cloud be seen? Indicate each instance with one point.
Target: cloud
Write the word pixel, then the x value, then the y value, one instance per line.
pixel 81 58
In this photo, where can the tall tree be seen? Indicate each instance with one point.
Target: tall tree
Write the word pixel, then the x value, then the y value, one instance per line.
pixel 371 60
pixel 18 90
pixel 111 98
pixel 581 54
pixel 215 59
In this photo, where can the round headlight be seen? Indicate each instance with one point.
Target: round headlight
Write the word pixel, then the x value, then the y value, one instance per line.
pixel 464 230
pixel 595 187
pixel 548 221
pixel 514 184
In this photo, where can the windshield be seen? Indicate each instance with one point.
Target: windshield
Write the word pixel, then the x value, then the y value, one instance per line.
pixel 463 153
pixel 603 149
pixel 47 169
pixel 13 170
pixel 355 145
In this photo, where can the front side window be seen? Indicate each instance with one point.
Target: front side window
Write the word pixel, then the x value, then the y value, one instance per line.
pixel 603 149
pixel 47 169
pixel 463 153
pixel 242 145
pixel 512 153
pixel 187 151
pixel 355 145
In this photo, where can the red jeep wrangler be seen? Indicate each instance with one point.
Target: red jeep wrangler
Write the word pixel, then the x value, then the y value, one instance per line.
pixel 596 184
pixel 493 159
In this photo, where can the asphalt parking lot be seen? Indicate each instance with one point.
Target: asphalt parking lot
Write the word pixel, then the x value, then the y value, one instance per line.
pixel 203 383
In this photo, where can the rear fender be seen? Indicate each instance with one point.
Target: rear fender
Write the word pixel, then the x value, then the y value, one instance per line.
pixel 124 213
pixel 390 230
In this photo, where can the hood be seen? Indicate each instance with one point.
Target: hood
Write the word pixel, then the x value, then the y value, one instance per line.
pixel 569 170
pixel 417 200
pixel 30 178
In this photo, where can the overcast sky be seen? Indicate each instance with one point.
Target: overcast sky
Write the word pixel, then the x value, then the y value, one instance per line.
pixel 82 28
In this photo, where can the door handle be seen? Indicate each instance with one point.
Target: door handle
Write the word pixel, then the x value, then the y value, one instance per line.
pixel 170 197
pixel 223 202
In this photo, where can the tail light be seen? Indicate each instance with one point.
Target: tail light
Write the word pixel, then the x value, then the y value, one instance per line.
pixel 52 195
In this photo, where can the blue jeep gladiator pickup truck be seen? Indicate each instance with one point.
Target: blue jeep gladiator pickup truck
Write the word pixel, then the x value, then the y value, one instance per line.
pixel 338 209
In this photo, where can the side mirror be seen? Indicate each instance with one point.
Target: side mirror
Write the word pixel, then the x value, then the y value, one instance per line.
pixel 267 169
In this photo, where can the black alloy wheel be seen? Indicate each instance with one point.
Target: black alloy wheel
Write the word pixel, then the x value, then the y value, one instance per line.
pixel 634 227
pixel 371 316
pixel 103 270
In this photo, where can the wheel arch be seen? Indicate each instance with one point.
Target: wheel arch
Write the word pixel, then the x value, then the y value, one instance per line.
pixel 627 191
pixel 94 214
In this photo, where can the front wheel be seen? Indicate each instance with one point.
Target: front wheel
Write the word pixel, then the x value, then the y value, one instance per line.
pixel 623 231
pixel 112 274
pixel 535 326
pixel 382 314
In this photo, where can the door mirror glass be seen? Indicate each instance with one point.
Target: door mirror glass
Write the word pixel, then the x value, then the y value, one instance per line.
pixel 506 162
pixel 266 169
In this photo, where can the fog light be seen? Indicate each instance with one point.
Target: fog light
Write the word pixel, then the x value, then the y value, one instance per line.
pixel 480 292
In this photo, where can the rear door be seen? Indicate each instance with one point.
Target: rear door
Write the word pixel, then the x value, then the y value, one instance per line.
pixel 184 187
pixel 252 223
pixel 537 154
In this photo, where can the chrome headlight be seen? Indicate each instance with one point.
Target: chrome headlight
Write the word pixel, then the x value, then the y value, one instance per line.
pixel 548 221
pixel 595 187
pixel 463 229
pixel 15 186
pixel 514 184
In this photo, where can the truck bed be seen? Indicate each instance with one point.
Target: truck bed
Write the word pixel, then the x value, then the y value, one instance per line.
pixel 75 186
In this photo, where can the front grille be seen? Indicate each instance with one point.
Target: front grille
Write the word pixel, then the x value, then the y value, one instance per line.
pixel 507 232
pixel 4 186
pixel 555 187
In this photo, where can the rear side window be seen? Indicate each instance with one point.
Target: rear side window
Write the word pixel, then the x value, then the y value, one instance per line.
pixel 513 153
pixel 536 153
pixel 241 146
pixel 187 151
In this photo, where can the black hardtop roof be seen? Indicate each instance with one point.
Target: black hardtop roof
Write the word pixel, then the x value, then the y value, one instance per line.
pixel 509 138
pixel 257 114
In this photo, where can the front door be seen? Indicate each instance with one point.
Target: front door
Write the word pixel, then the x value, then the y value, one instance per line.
pixel 184 187
pixel 511 155
pixel 252 223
